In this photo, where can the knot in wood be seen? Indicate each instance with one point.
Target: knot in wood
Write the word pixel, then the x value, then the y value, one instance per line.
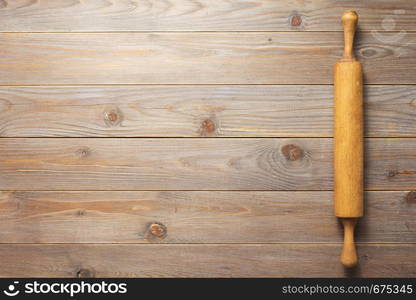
pixel 368 52
pixel 292 152
pixel 295 20
pixel 392 173
pixel 112 117
pixel 83 152
pixel 207 127
pixel 158 230
pixel 411 197
pixel 85 273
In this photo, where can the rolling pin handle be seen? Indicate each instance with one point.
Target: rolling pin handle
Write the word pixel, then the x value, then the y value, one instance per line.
pixel 349 20
pixel 349 254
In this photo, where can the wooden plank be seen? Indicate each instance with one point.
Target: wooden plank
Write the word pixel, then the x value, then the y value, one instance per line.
pixel 191 111
pixel 197 217
pixel 255 260
pixel 195 164
pixel 196 58
pixel 191 15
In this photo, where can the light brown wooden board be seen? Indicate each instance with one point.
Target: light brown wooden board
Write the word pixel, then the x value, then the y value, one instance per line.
pixel 198 217
pixel 256 260
pixel 192 111
pixel 197 58
pixel 195 164
pixel 192 15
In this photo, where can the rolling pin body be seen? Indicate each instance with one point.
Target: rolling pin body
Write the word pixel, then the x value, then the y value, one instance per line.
pixel 348 145
pixel 349 150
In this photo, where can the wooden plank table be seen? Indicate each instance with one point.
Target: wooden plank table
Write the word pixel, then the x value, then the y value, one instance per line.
pixel 187 138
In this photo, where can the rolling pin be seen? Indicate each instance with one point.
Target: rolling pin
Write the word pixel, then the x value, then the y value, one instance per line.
pixel 348 140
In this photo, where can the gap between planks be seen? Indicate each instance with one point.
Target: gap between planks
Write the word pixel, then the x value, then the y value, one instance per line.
pixel 219 244
pixel 196 137
pixel 147 190
pixel 196 31
pixel 180 137
pixel 191 84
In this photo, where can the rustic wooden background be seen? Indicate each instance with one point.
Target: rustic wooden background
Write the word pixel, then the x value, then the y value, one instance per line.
pixel 194 138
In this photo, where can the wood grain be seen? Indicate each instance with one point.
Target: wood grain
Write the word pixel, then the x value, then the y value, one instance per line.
pixel 256 260
pixel 191 15
pixel 194 164
pixel 196 58
pixel 83 70
pixel 348 138
pixel 192 111
pixel 197 217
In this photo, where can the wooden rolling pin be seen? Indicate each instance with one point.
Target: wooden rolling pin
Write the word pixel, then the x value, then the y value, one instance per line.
pixel 349 146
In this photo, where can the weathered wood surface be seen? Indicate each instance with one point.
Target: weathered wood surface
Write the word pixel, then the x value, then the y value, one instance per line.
pixel 192 111
pixel 255 260
pixel 192 15
pixel 195 164
pixel 198 217
pixel 197 58
pixel 168 83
